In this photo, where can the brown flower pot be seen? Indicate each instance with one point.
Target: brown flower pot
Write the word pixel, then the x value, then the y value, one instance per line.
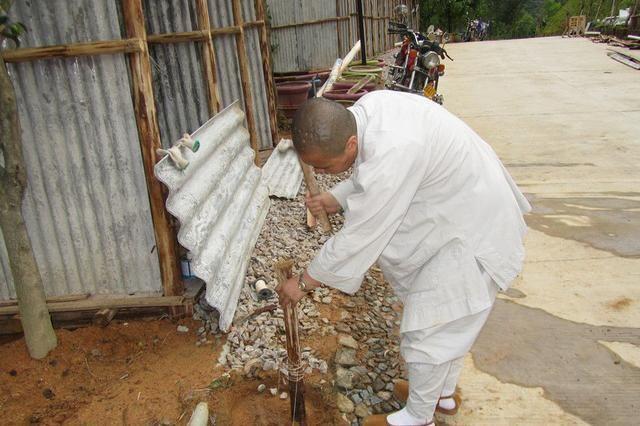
pixel 292 93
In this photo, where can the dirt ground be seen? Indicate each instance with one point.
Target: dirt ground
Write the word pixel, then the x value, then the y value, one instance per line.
pixel 142 373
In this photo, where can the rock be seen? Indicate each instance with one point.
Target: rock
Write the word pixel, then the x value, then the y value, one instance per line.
pixel 96 353
pixel 269 365
pixel 346 357
pixel 344 378
pixel 378 384
pixel 345 405
pixel 261 387
pixel 385 395
pixel 356 398
pixel 284 395
pixel 182 329
pixel 343 328
pixel 348 341
pixel 274 391
pixel 362 410
pixel 327 300
pixel 200 416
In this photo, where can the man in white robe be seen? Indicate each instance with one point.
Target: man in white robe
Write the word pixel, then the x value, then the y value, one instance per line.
pixel 430 201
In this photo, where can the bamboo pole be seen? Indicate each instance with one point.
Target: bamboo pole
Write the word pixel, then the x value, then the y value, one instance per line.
pixel 265 47
pixel 243 63
pixel 338 32
pixel 149 134
pixel 208 57
pixel 72 50
pixel 294 367
pixel 314 22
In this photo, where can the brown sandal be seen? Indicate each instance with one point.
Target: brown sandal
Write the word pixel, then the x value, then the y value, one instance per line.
pixel 454 410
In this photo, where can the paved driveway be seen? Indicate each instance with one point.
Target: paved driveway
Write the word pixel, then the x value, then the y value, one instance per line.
pixel 563 346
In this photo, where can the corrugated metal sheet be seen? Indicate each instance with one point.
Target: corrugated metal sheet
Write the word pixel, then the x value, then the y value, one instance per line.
pixel 221 14
pixel 315 46
pixel 282 172
pixel 86 207
pixel 179 83
pixel 221 203
pixel 304 47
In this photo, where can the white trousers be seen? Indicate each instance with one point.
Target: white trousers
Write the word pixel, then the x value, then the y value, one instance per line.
pixel 434 358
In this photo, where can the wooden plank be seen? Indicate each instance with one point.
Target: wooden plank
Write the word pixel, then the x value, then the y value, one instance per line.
pixel 208 57
pixel 149 134
pixel 73 50
pixel 97 303
pixel 265 47
pixel 243 63
pixel 53 299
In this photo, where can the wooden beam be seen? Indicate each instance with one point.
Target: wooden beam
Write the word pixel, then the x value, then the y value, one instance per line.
pixel 53 299
pixel 149 135
pixel 315 22
pixel 183 37
pixel 208 57
pixel 265 47
pixel 73 50
pixel 97 303
pixel 243 63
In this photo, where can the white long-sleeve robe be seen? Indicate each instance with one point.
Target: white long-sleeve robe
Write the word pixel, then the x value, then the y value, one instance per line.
pixel 426 192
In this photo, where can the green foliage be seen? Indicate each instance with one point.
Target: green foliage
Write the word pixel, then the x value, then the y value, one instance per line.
pixel 525 26
pixel 514 18
pixel 9 30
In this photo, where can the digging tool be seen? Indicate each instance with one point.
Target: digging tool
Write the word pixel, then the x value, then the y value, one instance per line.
pixel 312 185
pixel 294 365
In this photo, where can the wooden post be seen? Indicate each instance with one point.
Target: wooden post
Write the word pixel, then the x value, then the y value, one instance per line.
pixel 265 47
pixel 338 32
pixel 294 366
pixel 149 134
pixel 208 57
pixel 243 63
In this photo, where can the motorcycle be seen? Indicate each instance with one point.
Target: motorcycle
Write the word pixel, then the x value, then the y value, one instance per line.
pixel 417 67
pixel 476 30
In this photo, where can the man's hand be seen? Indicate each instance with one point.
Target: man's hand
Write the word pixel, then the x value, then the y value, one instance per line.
pixel 289 291
pixel 323 201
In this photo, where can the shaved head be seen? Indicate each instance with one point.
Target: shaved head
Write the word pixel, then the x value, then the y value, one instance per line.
pixel 322 126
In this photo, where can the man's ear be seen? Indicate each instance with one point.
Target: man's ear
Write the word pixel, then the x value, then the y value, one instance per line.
pixel 352 143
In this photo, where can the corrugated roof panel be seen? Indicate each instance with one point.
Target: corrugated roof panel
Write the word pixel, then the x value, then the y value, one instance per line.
pixel 86 207
pixel 282 172
pixel 221 203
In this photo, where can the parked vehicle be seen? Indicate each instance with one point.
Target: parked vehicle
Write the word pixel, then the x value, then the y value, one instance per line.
pixel 417 67
pixel 476 30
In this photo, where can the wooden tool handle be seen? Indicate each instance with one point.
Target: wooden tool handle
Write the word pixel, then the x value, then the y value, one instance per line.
pixel 314 189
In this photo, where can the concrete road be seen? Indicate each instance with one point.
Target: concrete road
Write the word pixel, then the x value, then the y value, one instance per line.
pixel 562 346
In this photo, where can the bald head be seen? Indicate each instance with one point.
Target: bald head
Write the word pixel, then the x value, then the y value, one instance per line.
pixel 322 126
